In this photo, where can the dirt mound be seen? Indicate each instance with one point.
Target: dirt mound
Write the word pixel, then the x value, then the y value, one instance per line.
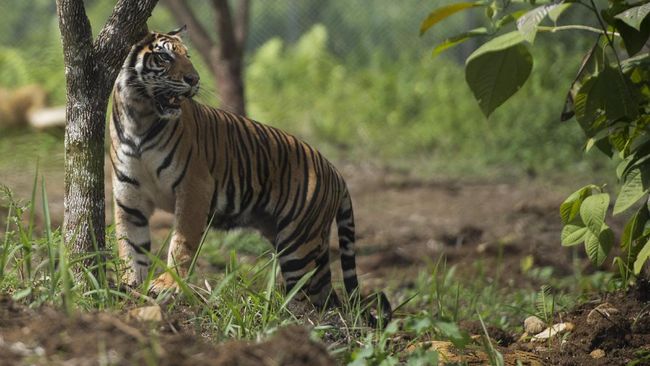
pixel 612 331
pixel 49 337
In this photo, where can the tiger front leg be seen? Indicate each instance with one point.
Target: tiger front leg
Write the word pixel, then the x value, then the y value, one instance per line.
pixel 191 214
pixel 132 228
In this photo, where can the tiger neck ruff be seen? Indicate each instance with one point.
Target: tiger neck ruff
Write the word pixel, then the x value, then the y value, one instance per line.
pixel 209 166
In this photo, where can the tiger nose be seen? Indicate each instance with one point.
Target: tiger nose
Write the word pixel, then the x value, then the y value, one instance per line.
pixel 191 79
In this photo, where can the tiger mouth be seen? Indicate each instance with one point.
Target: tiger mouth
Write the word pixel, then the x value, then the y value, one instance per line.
pixel 167 104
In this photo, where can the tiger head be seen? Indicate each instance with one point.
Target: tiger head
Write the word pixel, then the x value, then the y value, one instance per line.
pixel 161 69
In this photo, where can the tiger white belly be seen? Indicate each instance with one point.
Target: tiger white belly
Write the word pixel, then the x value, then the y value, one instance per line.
pixel 156 189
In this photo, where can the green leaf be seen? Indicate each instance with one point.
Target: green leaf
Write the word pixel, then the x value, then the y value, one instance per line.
pixel 633 39
pixel 632 190
pixel 623 166
pixel 607 91
pixel 527 24
pixel 499 43
pixel 641 258
pixel 497 69
pixel 634 16
pixel 509 18
pixel 584 106
pixel 618 94
pixel 458 39
pixel 636 160
pixel 445 11
pixel 592 212
pixel 452 332
pixel 598 247
pixel 570 208
pixel 618 137
pixel 18 295
pixel 634 227
pixel 555 12
pixel 605 147
pixel 591 64
pixel 573 235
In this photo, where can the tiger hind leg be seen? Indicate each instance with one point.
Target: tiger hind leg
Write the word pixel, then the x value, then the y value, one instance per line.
pixel 298 260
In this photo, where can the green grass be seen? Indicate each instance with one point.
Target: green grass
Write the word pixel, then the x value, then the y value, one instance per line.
pixel 244 300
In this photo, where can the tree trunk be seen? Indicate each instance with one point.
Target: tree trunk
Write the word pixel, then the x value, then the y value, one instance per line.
pixel 90 71
pixel 230 82
pixel 83 223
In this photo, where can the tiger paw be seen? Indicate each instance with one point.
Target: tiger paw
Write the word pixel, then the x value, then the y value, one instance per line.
pixel 164 283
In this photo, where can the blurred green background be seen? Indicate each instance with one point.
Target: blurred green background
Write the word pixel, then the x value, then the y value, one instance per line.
pixel 353 78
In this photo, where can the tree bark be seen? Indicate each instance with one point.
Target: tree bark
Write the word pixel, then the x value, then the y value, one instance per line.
pixel 225 56
pixel 90 71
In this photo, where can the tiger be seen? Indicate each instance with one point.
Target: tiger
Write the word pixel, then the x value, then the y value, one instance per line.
pixel 210 167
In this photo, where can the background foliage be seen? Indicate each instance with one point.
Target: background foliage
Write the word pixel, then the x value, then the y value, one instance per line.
pixel 609 96
pixel 357 83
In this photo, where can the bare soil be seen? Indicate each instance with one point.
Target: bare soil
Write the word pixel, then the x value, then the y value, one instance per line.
pixel 403 225
pixel 50 337
pixel 619 336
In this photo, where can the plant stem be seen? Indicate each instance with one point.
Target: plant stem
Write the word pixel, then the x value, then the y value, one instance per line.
pixel 610 41
pixel 573 27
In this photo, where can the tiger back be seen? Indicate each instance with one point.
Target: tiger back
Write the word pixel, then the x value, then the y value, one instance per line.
pixel 206 165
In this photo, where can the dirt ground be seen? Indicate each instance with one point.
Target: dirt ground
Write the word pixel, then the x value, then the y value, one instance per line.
pixel 49 337
pixel 403 224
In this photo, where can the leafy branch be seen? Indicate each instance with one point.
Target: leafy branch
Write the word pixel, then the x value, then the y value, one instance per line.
pixel 609 100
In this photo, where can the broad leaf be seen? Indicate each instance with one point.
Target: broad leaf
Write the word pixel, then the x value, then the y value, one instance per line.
pixel 497 69
pixel 634 228
pixel 634 16
pixel 509 18
pixel 632 190
pixel 592 63
pixel 443 12
pixel 623 166
pixel 633 39
pixel 637 159
pixel 555 12
pixel 598 246
pixel 458 39
pixel 608 91
pixel 618 137
pixel 527 24
pixel 641 258
pixel 570 208
pixel 592 212
pixel 605 147
pixel 573 235
pixel 618 94
pixel 585 106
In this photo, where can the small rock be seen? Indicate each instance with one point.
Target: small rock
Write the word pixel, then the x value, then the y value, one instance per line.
pixel 533 325
pixel 147 313
pixel 597 353
pixel 552 332
pixel 602 311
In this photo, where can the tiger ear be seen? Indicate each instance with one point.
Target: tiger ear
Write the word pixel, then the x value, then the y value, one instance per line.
pixel 179 32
